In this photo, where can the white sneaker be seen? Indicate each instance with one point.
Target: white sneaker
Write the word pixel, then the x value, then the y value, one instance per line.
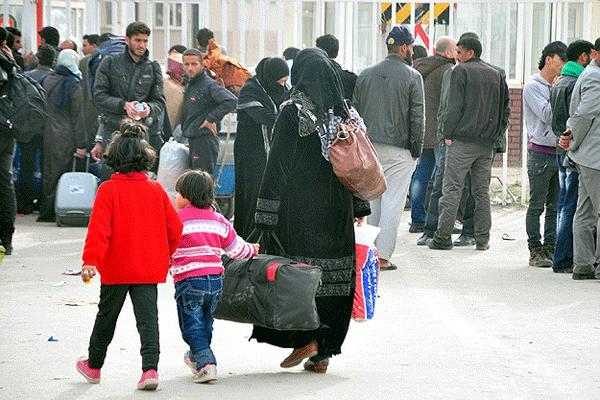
pixel 191 364
pixel 208 373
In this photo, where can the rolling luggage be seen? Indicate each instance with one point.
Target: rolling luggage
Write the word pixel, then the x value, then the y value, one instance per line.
pixel 75 194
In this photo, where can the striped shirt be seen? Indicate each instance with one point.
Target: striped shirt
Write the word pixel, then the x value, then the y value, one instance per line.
pixel 206 235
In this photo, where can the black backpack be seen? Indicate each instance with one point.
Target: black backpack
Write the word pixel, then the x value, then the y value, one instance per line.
pixel 23 110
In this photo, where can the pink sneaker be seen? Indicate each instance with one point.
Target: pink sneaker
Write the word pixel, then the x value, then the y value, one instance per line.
pixel 149 380
pixel 92 375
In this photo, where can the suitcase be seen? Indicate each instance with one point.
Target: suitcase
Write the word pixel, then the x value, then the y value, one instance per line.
pixel 75 194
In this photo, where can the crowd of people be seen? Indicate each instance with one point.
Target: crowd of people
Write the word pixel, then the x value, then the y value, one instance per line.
pixel 435 121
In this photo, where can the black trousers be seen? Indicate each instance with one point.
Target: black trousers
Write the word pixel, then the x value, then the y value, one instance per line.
pixel 8 202
pixel 112 298
pixel 204 151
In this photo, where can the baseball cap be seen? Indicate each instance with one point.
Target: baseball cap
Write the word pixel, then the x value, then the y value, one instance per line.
pixel 399 35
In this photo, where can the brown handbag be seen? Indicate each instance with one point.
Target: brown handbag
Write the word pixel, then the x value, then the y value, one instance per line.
pixel 355 161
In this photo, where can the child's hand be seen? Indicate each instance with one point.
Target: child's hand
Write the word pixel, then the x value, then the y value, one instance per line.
pixel 87 273
pixel 256 246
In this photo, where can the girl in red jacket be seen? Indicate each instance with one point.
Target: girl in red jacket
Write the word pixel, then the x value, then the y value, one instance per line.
pixel 133 232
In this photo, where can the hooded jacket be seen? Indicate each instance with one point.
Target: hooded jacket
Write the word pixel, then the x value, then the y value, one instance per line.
pixel 432 70
pixel 538 112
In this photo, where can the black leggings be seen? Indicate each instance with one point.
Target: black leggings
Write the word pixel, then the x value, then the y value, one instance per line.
pixel 112 298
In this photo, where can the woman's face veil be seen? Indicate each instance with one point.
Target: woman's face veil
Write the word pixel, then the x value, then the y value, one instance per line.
pixel 314 74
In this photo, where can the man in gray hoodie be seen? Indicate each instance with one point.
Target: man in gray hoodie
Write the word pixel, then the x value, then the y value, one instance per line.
pixel 542 167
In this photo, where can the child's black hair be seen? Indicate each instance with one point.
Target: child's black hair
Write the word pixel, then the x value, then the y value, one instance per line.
pixel 129 151
pixel 198 187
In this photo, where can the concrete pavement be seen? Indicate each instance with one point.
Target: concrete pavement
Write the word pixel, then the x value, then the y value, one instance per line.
pixel 459 324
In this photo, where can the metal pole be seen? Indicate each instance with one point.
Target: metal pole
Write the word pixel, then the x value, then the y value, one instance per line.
pixel 261 29
pixel 354 34
pixel 166 28
pixel 184 23
pixel 150 23
pixel 451 19
pixel 280 18
pixel 376 21
pixel 242 24
pixel 224 18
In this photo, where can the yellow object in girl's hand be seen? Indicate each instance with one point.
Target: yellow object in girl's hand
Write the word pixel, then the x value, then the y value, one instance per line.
pixel 87 273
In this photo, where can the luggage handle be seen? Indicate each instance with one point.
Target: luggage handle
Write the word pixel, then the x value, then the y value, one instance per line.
pixel 87 162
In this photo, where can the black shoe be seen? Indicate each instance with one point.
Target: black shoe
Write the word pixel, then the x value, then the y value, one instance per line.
pixel 415 229
pixel 568 270
pixel 423 240
pixel 464 240
pixel 437 246
pixel 482 246
pixel 46 218
pixel 581 277
pixel 389 267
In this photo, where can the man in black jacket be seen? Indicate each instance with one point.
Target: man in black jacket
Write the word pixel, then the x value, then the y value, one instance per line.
pixel 331 45
pixel 205 103
pixel 478 111
pixel 579 54
pixel 129 84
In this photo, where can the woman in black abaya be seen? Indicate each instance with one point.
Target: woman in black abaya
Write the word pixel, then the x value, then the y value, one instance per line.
pixel 257 107
pixel 302 201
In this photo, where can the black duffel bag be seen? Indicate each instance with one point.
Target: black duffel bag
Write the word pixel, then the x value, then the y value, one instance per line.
pixel 270 291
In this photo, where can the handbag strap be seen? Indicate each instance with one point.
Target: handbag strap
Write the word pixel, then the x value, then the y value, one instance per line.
pixel 347 109
pixel 260 236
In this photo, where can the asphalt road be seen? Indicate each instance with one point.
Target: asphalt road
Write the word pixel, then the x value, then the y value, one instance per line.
pixel 459 324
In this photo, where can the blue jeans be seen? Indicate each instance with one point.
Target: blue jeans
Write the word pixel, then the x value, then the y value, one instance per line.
pixel 568 181
pixel 542 170
pixel 197 299
pixel 431 218
pixel 418 186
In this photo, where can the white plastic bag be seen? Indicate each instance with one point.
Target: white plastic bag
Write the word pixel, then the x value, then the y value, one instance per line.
pixel 174 161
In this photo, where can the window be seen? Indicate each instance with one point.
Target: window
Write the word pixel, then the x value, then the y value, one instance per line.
pixel 175 14
pixel 159 14
pixel 308 24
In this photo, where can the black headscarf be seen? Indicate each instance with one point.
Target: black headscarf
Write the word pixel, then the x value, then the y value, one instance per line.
pixel 268 71
pixel 314 74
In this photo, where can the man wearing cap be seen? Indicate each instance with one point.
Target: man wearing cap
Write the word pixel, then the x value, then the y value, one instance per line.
pixel 50 36
pixel 389 96
pixel 542 167
pixel 477 111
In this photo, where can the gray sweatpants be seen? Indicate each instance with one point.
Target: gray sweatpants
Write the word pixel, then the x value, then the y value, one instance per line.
pixel 586 252
pixel 398 166
pixel 461 158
